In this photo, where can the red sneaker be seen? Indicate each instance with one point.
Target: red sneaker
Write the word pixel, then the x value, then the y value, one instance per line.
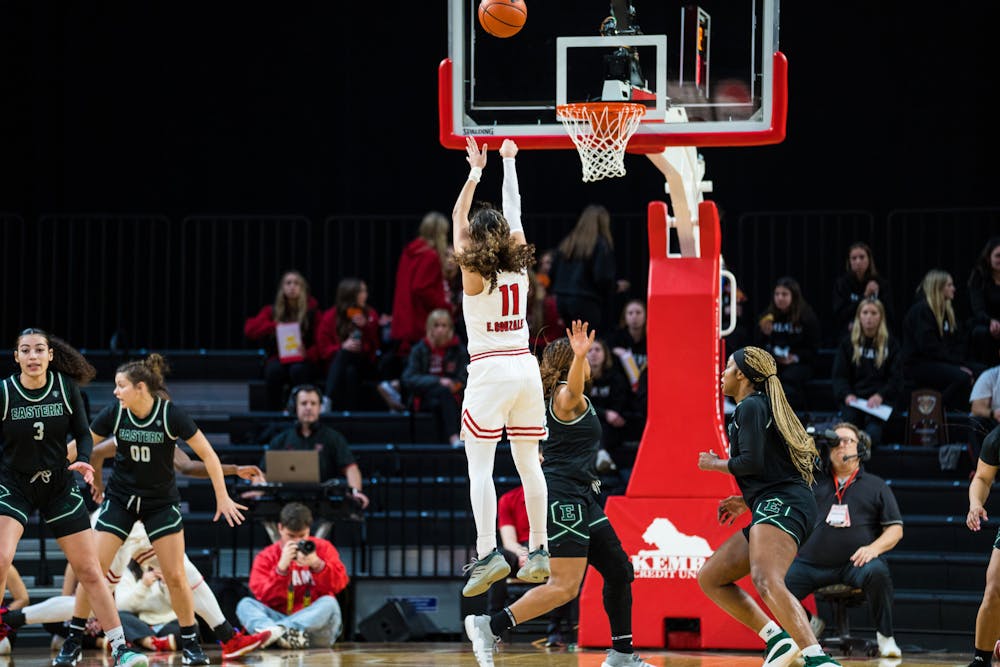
pixel 241 644
pixel 165 644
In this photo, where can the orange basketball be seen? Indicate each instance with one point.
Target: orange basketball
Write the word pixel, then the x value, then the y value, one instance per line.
pixel 502 18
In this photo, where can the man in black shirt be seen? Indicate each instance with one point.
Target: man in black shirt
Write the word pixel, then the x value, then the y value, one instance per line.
pixel 335 457
pixel 857 522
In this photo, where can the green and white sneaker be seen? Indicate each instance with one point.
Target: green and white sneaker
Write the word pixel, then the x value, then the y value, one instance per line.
pixel 485 571
pixel 126 657
pixel 816 660
pixel 536 568
pixel 781 651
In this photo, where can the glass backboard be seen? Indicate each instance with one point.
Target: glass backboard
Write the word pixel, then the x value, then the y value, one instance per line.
pixel 710 74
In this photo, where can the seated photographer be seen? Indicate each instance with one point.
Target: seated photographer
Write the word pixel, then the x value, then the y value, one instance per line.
pixel 858 520
pixel 294 582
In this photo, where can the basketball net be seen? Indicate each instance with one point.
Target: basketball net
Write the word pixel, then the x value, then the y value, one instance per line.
pixel 600 131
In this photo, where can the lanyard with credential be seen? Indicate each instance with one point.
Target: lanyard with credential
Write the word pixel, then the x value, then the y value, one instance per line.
pixel 840 490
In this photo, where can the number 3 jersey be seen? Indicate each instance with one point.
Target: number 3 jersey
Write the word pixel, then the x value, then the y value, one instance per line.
pixel 37 421
pixel 144 462
pixel 495 320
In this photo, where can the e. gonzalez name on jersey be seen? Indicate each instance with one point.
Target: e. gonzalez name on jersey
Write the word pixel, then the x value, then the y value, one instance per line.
pixel 504 325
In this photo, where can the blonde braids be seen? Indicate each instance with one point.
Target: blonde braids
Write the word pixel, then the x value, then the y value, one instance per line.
pixel 801 446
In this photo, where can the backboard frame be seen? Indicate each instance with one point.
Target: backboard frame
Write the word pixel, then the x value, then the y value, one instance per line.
pixel 767 127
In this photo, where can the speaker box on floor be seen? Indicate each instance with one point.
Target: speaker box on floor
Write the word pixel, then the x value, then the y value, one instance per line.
pixel 395 621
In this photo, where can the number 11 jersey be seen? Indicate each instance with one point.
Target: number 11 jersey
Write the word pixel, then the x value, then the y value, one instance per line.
pixel 494 320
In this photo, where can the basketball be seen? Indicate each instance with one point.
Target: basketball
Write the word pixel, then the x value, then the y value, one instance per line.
pixel 502 18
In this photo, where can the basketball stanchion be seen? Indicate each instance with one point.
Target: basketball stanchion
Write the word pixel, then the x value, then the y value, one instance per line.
pixel 600 131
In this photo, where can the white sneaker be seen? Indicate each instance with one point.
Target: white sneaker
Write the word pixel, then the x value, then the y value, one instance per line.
pixel 485 571
pixel 536 568
pixel 5 646
pixel 277 631
pixel 818 625
pixel 887 647
pixel 483 640
pixel 616 659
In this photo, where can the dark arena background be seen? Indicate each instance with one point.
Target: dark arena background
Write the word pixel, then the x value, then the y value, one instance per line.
pixel 162 164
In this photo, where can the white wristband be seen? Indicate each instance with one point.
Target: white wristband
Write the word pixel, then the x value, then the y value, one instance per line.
pixel 475 174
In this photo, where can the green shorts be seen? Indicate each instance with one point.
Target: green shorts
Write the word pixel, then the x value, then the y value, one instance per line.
pixel 118 517
pixel 791 507
pixel 53 493
pixel 574 511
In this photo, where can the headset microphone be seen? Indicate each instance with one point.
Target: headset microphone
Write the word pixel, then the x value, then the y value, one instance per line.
pixel 847 458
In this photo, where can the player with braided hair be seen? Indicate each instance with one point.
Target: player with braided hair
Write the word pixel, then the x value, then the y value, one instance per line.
pixel 772 458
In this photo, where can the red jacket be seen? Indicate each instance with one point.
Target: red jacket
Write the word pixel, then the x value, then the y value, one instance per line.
pixel 271 587
pixel 419 290
pixel 328 343
pixel 261 329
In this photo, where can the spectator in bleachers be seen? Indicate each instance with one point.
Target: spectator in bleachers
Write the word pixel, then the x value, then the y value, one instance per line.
pixel 611 396
pixel 420 282
pixel 436 373
pixel 294 582
pixel 512 522
pixel 984 404
pixel 858 521
pixel 293 316
pixel 309 433
pixel 984 300
pixel 867 366
pixel 988 616
pixel 860 281
pixel 789 330
pixel 348 339
pixel 583 271
pixel 628 341
pixel 933 353
pixel 18 599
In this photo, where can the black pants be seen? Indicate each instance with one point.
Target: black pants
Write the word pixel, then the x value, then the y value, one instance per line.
pixel 280 377
pixel 953 383
pixel 440 401
pixel 873 578
pixel 984 348
pixel 135 628
pixel 343 383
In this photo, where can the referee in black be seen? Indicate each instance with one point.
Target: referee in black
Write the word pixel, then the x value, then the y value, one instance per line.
pixel 40 406
pixel 578 531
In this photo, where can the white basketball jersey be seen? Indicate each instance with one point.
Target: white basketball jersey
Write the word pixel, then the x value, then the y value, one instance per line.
pixel 494 321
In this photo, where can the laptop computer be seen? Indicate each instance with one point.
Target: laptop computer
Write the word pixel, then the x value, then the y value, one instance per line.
pixel 292 466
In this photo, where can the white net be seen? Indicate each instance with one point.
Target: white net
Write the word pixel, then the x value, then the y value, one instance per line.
pixel 600 131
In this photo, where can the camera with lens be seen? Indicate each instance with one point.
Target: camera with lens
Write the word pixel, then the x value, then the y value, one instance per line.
pixel 306 547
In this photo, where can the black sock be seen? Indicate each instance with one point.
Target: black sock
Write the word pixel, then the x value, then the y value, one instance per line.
pixel 224 631
pixel 982 658
pixel 14 618
pixel 77 626
pixel 622 644
pixel 502 621
pixel 189 634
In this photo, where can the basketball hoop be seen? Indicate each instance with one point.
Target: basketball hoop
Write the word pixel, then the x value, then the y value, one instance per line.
pixel 600 131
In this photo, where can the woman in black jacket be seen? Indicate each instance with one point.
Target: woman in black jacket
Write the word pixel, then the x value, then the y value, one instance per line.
pixel 984 299
pixel 933 352
pixel 867 367
pixel 583 271
pixel 860 281
pixel 789 330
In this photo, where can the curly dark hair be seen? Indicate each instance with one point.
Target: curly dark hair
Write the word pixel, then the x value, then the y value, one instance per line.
pixel 65 358
pixel 556 360
pixel 492 249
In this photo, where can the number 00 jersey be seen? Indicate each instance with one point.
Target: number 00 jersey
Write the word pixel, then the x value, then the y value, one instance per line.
pixel 144 462
pixel 36 422
pixel 495 320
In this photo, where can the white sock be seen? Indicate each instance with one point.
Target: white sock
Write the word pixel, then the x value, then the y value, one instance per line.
pixel 116 637
pixel 483 493
pixel 53 610
pixel 812 651
pixel 536 493
pixel 769 630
